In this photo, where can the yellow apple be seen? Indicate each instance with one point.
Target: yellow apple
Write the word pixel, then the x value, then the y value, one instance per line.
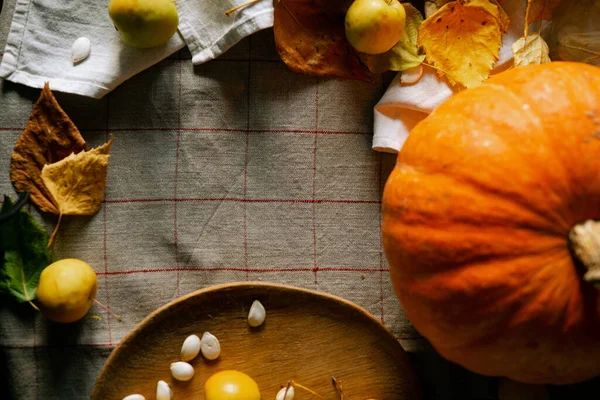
pixel 144 23
pixel 66 290
pixel 375 26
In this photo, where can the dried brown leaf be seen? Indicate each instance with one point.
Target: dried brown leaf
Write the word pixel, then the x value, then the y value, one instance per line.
pixel 49 136
pixel 310 39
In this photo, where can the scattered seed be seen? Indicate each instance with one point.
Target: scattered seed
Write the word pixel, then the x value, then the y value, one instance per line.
pixel 257 314
pixel 80 50
pixel 182 371
pixel 210 346
pixel 190 348
pixel 134 397
pixel 282 395
pixel 163 391
pixel 411 75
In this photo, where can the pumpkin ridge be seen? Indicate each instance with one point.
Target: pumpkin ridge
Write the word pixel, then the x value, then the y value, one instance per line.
pixel 558 228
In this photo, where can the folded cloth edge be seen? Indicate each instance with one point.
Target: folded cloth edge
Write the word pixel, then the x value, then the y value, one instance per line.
pixel 237 32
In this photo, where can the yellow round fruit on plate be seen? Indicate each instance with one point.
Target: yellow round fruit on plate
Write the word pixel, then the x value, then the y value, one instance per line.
pixel 231 385
pixel 375 26
pixel 66 290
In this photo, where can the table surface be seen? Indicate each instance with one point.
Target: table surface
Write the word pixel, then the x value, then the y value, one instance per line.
pixel 234 170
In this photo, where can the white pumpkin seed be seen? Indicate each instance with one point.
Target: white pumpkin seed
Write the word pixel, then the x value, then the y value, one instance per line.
pixel 210 346
pixel 81 49
pixel 134 397
pixel 182 371
pixel 190 348
pixel 411 75
pixel 282 395
pixel 257 314
pixel 163 391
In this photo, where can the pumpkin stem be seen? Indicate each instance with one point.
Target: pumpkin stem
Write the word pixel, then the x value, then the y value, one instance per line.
pixel 585 240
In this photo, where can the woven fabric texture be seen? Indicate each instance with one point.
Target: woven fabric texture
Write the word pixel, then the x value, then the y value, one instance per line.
pixel 234 170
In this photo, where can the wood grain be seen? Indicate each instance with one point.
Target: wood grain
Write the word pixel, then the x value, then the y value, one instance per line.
pixel 308 337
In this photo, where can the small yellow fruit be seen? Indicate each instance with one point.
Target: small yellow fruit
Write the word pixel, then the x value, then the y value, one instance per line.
pixel 375 26
pixel 144 23
pixel 231 385
pixel 66 290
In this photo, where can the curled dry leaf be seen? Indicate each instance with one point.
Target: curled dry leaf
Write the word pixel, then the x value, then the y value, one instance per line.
pixel 49 136
pixel 405 54
pixel 431 6
pixel 463 38
pixel 538 10
pixel 77 182
pixel 310 38
pixel 575 32
pixel 530 49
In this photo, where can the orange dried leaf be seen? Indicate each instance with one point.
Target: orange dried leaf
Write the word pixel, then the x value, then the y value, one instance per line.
pixel 310 39
pixel 463 38
pixel 49 136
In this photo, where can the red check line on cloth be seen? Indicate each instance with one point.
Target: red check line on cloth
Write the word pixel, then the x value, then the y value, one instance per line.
pixel 298 131
pixel 314 183
pixel 236 200
pixel 248 270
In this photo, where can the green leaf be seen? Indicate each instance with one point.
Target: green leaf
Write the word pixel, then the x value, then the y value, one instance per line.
pixel 23 246
pixel 405 54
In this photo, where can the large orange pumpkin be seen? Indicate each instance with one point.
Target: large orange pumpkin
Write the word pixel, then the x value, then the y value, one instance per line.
pixel 482 218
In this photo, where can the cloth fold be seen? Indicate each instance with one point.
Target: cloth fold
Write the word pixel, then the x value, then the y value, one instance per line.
pixel 38 47
pixel 404 105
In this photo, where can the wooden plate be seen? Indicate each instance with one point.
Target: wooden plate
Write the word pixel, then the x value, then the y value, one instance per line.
pixel 307 336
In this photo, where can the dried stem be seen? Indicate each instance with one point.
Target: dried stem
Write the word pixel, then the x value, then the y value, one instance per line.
pixel 234 9
pixel 296 384
pixel 55 231
pixel 338 388
pixel 108 310
pixel 585 241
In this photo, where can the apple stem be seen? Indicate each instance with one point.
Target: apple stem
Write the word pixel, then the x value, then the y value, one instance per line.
pixel 234 9
pixel 108 310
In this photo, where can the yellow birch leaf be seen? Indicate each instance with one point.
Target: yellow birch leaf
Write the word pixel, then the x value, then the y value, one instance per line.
pixel 462 40
pixel 77 182
pixel 531 49
pixel 494 8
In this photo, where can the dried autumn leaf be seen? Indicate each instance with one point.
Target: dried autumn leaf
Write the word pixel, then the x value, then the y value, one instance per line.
pixel 310 39
pixel 531 49
pixel 405 54
pixel 49 136
pixel 77 182
pixel 463 38
pixel 538 10
pixel 431 6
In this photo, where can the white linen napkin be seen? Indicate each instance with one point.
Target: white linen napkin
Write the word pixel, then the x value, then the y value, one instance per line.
pixel 38 47
pixel 404 105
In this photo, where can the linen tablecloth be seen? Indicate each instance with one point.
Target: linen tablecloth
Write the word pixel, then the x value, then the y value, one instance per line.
pixel 234 170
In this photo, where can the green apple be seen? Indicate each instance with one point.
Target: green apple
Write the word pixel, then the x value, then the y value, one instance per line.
pixel 375 26
pixel 144 23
